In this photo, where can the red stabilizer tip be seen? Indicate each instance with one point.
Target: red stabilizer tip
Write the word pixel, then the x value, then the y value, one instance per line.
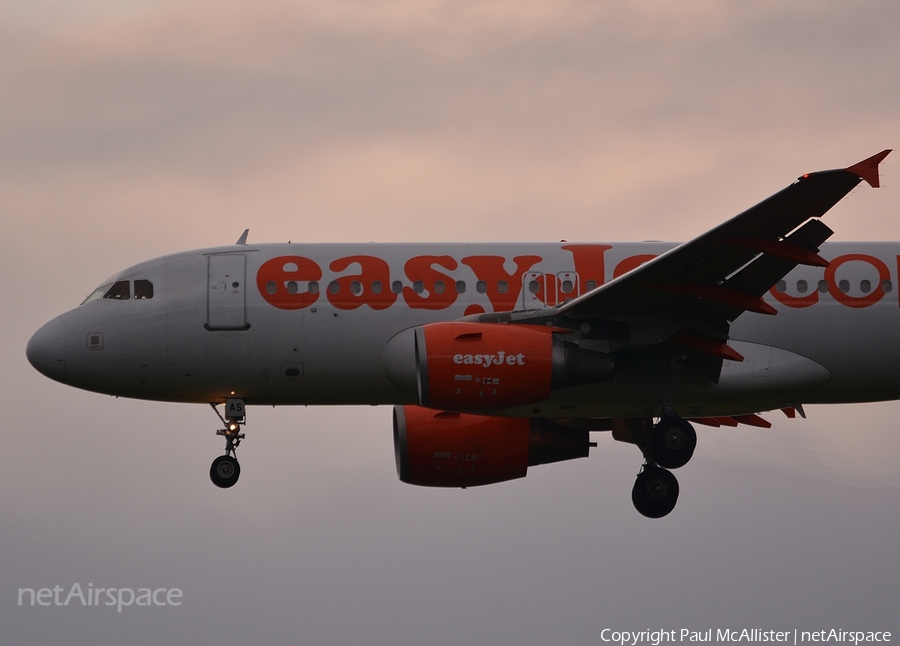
pixel 867 169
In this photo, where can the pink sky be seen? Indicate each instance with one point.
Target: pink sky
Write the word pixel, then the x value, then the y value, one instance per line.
pixel 133 129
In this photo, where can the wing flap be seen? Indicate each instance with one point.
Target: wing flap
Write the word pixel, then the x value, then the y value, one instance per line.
pixel 761 274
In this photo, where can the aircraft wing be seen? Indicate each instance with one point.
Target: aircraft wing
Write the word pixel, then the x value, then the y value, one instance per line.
pixel 727 270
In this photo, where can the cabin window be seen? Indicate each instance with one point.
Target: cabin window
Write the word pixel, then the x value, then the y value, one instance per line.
pixel 781 287
pixel 886 286
pixel 291 287
pixel 823 286
pixel 313 287
pixel 591 284
pixel 844 286
pixel 865 286
pixel 376 286
pixel 534 287
pixel 567 286
pixel 439 287
pixel 802 286
pixel 334 287
pixel 356 288
pixel 271 287
pixel 120 291
pixel 397 287
pixel 460 287
pixel 502 286
pixel 418 287
pixel 481 287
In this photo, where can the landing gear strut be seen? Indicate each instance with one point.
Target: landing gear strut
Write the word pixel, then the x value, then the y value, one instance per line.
pixel 225 469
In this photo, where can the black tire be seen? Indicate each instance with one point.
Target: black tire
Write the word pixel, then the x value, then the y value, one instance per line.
pixel 655 492
pixel 224 471
pixel 672 442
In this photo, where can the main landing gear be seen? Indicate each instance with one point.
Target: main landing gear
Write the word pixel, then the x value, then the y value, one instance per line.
pixel 667 445
pixel 225 469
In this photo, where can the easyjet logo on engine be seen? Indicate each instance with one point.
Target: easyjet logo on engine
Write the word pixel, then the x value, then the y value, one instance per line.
pixel 488 360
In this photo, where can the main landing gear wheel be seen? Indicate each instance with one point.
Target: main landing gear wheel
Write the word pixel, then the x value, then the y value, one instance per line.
pixel 672 442
pixel 224 471
pixel 655 492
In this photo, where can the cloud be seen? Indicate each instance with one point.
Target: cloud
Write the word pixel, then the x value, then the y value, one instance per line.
pixel 439 120
pixel 204 85
pixel 180 124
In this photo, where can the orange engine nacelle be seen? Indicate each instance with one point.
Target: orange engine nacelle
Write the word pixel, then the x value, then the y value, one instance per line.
pixel 443 449
pixel 467 366
pixel 483 367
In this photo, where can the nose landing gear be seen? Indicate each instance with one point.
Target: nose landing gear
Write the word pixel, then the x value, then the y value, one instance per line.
pixel 225 469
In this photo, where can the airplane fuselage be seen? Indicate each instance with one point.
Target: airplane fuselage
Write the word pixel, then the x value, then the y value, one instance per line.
pixel 285 324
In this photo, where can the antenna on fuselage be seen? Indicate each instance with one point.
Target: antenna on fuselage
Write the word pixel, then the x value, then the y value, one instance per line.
pixel 243 239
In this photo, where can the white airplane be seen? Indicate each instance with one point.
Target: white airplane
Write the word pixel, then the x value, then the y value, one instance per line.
pixel 498 357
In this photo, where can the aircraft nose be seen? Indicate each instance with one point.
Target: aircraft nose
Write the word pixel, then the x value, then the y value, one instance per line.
pixel 45 350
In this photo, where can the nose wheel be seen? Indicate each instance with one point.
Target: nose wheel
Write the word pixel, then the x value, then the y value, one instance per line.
pixel 225 469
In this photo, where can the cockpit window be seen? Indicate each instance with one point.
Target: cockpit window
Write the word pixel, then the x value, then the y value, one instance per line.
pixel 97 294
pixel 120 291
pixel 143 289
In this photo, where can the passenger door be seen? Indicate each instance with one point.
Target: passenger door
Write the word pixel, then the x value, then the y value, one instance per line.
pixel 226 297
